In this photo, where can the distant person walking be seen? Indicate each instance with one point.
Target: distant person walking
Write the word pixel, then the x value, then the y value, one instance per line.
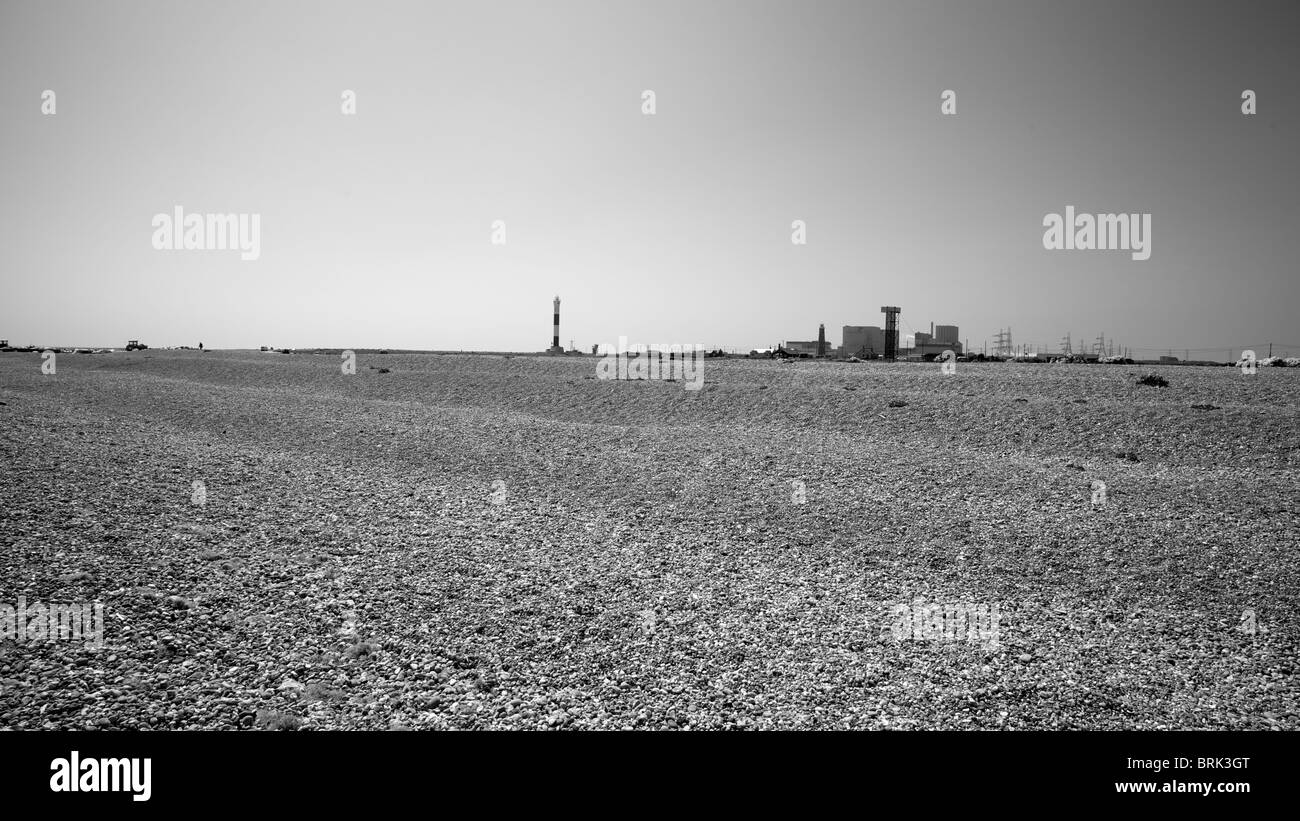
pixel 200 346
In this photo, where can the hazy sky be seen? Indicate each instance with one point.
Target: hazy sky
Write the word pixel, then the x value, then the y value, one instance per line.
pixel 674 227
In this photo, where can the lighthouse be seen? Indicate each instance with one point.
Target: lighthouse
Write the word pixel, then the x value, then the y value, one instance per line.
pixel 555 331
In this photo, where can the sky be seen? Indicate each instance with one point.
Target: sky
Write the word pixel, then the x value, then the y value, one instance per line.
pixel 376 228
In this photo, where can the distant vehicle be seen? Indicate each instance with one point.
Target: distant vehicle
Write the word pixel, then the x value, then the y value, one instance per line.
pixel 135 345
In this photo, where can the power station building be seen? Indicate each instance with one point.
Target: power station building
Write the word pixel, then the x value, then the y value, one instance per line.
pixel 941 338
pixel 868 341
pixel 862 341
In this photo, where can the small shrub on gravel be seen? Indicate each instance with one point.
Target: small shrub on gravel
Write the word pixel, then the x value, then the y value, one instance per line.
pixel 363 648
pixel 318 691
pixel 1155 380
pixel 274 720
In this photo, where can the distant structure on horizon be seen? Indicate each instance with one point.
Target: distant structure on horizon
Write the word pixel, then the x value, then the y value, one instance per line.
pixel 891 313
pixel 800 347
pixel 872 341
pixel 810 347
pixel 555 331
pixel 940 338
pixel 863 341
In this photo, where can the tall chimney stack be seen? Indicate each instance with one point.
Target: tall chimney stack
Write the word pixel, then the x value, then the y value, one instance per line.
pixel 821 339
